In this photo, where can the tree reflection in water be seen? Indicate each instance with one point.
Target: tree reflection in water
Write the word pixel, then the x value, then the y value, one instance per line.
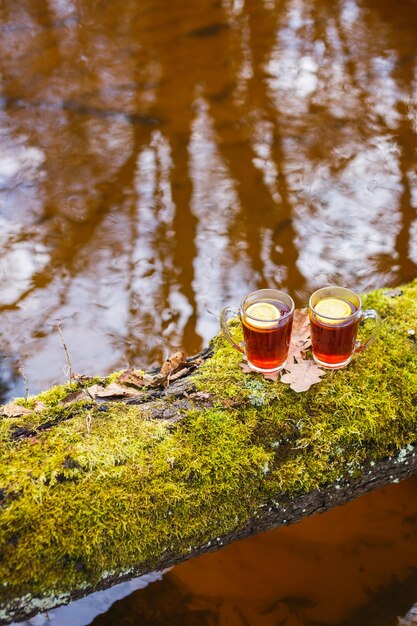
pixel 160 160
pixel 11 378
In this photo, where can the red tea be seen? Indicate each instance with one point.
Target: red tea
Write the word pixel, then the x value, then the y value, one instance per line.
pixel 267 338
pixel 333 340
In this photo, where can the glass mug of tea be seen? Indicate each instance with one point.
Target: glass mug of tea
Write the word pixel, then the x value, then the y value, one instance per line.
pixel 335 315
pixel 266 317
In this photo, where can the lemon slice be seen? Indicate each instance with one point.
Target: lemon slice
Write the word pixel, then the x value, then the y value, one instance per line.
pixel 263 311
pixel 332 308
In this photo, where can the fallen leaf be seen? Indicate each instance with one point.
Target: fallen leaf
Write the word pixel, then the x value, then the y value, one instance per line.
pixel 301 375
pixel 15 410
pixel 245 368
pixel 39 406
pixel 82 378
pixel 273 376
pixel 112 390
pixel 173 363
pixel 132 378
pixel 300 335
pixel 248 370
pixel 94 389
pixel 76 396
pixel 118 390
pixel 200 395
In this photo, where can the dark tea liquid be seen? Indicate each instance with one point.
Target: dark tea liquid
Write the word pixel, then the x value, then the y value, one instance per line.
pixel 267 348
pixel 334 343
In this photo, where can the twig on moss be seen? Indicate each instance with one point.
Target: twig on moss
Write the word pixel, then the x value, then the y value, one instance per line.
pixel 88 422
pixel 68 369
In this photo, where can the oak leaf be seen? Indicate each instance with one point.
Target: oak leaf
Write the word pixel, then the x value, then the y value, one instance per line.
pixel 301 375
pixel 39 406
pixel 82 378
pixel 300 335
pixel 15 410
pixel 76 396
pixel 273 376
pixel 112 391
pixel 174 362
pixel 132 378
pixel 245 368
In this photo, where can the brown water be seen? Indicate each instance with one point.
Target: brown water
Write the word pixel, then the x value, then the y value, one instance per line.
pixel 159 159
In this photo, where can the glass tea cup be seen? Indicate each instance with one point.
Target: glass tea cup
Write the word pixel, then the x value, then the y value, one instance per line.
pixel 335 315
pixel 266 318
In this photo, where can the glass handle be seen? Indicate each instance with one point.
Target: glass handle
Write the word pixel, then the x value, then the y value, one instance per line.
pixel 227 313
pixel 366 315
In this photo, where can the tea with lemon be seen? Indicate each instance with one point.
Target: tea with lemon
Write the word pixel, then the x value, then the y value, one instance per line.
pixel 267 333
pixel 334 327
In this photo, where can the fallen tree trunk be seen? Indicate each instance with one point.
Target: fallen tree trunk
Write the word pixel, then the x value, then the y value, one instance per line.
pixel 105 480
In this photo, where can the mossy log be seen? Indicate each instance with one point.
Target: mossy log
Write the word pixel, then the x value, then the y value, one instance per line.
pixel 94 493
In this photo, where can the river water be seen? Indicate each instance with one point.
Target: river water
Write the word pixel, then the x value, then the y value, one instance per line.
pixel 160 159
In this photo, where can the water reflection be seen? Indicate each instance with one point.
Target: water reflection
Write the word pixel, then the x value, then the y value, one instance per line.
pixel 12 377
pixel 158 161
pixel 351 566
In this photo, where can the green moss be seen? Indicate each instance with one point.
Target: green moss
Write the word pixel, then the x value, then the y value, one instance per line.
pixel 99 491
pixel 112 378
pixel 221 375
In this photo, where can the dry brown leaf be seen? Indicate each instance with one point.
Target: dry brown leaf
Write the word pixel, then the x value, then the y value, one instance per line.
pixel 300 376
pixel 174 362
pixel 39 406
pixel 301 373
pixel 245 368
pixel 82 378
pixel 112 391
pixel 76 396
pixel 131 378
pixel 118 390
pixel 15 410
pixel 94 390
pixel 273 376
pixel 201 395
pixel 300 335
